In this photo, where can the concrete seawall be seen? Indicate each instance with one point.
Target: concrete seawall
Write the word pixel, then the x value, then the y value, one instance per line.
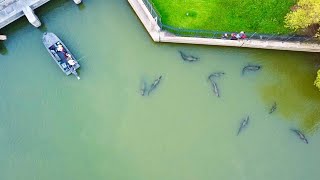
pixel 157 35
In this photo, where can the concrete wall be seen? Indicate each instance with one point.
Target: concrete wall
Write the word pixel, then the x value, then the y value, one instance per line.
pixel 14 11
pixel 161 36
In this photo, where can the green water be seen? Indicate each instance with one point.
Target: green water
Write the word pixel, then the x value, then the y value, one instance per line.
pixel 56 127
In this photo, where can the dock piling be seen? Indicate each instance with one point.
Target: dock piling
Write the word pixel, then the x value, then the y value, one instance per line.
pixel 77 1
pixel 32 18
pixel 3 37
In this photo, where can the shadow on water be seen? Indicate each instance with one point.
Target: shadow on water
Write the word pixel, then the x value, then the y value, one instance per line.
pixel 3 49
pixel 289 82
pixel 43 28
pixel 81 6
pixel 15 26
pixel 51 5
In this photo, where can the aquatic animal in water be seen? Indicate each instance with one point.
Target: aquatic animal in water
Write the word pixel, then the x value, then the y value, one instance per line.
pixel 214 84
pixel 250 68
pixel 188 58
pixel 216 74
pixel 154 84
pixel 215 88
pixel 273 108
pixel 301 136
pixel 243 124
pixel 143 88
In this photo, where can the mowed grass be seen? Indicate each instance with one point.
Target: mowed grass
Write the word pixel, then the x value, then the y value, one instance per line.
pixel 261 16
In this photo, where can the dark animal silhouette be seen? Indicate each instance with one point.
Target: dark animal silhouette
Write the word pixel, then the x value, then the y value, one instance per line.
pixel 188 58
pixel 250 68
pixel 154 84
pixel 273 108
pixel 301 136
pixel 243 124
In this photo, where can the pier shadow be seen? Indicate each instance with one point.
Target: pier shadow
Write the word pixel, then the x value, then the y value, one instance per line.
pixel 15 26
pixel 43 28
pixel 51 5
pixel 81 6
pixel 3 49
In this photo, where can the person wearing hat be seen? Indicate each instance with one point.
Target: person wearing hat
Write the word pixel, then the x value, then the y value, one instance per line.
pixel 242 35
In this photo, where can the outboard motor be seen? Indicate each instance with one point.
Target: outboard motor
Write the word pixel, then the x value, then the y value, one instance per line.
pixel 74 72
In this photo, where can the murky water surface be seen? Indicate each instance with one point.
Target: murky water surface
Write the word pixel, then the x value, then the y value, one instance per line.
pixel 56 127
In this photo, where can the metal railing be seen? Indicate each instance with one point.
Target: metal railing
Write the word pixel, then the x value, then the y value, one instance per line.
pixel 154 13
pixel 218 34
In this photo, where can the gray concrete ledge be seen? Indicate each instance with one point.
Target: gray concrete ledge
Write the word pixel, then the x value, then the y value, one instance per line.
pixel 3 37
pixel 157 35
pixel 11 10
pixel 146 18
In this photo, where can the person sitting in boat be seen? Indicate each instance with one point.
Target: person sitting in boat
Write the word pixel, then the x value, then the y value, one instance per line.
pixel 71 62
pixel 60 47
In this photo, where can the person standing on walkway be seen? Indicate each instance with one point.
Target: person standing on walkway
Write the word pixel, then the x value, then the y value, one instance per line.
pixel 233 36
pixel 224 36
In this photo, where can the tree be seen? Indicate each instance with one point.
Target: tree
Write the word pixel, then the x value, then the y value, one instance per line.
pixel 303 15
pixel 317 81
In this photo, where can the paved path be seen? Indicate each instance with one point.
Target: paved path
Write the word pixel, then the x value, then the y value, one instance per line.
pixel 161 36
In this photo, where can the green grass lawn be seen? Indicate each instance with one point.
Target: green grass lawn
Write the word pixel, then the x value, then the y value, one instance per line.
pixel 262 16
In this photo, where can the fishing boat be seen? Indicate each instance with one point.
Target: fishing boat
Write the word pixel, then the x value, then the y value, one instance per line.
pixel 60 54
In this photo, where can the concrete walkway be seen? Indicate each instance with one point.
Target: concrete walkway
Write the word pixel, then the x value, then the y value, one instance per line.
pixel 161 36
pixel 11 10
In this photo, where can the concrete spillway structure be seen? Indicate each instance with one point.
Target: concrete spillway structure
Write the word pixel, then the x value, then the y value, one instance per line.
pixel 32 18
pixel 11 10
pixel 77 1
pixel 3 37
